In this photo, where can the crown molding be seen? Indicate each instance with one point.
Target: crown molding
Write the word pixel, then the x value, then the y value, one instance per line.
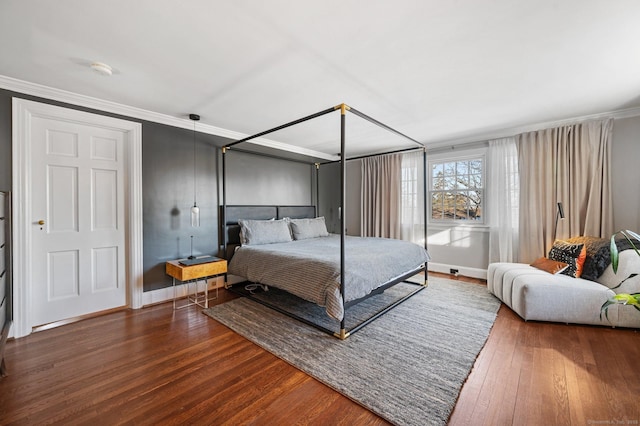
pixel 59 95
pixel 475 139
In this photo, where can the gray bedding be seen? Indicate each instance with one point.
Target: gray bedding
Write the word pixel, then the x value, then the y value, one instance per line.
pixel 310 268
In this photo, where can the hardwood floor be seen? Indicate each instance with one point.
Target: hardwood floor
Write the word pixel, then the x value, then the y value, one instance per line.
pixel 157 366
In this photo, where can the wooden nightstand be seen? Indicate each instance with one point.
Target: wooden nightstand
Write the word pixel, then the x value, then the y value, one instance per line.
pixel 192 275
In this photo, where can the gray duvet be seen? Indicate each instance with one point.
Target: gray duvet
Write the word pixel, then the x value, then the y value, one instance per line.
pixel 310 268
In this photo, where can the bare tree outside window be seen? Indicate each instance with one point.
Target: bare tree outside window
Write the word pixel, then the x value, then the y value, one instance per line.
pixel 456 190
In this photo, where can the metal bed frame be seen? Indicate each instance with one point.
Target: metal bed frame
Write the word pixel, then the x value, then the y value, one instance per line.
pixel 343 108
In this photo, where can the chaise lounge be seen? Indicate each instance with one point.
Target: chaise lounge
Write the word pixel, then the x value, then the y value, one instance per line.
pixel 538 295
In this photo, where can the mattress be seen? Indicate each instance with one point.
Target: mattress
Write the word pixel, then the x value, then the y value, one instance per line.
pixel 310 268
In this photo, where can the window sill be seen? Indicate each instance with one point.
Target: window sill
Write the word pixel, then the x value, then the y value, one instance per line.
pixel 459 226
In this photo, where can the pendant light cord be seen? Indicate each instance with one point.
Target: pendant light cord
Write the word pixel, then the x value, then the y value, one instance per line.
pixel 194 164
pixel 194 117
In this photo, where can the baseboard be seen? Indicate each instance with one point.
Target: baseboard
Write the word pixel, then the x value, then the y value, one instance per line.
pixel 166 294
pixel 462 270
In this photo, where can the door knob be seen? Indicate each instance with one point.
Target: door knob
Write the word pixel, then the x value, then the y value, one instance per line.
pixel 41 222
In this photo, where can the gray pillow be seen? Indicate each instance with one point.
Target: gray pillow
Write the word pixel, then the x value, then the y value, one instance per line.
pixel 255 232
pixel 308 228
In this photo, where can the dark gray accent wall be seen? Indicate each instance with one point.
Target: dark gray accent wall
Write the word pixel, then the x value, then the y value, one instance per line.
pixel 5 140
pixel 329 195
pixel 253 179
pixel 329 190
pixel 168 194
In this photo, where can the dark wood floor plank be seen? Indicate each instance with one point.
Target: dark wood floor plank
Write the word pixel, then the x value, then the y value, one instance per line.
pixel 503 389
pixel 159 366
pixel 571 366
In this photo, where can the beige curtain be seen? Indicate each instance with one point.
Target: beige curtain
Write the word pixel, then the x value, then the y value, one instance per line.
pixel 570 165
pixel 381 196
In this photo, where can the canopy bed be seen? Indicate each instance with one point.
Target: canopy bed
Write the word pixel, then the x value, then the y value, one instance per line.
pixel 289 247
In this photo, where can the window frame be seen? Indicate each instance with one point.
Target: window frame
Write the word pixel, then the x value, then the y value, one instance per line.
pixel 478 154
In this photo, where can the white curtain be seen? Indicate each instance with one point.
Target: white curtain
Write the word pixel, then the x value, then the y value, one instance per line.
pixel 412 208
pixel 381 196
pixel 571 165
pixel 503 200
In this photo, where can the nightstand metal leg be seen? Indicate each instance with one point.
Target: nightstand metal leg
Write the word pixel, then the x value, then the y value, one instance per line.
pixel 206 293
pixel 174 294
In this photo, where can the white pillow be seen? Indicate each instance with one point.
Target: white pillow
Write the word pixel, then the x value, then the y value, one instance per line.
pixel 255 232
pixel 308 228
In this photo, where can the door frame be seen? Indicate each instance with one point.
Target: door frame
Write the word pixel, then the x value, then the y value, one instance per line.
pixel 23 112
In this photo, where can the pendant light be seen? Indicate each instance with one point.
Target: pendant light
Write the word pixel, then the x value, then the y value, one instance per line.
pixel 195 210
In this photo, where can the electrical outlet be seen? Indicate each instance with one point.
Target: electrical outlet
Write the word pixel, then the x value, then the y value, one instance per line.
pixel 453 272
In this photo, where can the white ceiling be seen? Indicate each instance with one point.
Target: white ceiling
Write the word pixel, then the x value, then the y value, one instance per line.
pixel 438 71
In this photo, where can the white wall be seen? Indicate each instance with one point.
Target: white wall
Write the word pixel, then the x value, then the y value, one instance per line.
pixel 625 173
pixel 465 248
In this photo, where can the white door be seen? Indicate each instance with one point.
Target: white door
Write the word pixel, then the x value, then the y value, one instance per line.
pixel 78 219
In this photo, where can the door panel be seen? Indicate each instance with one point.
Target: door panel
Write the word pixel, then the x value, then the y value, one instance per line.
pixel 62 143
pixel 62 199
pixel 105 269
pixel 62 276
pixel 104 149
pixel 105 199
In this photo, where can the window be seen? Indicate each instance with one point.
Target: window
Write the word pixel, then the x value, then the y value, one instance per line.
pixel 456 190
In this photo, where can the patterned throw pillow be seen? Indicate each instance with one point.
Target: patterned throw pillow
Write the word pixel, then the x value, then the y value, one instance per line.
pixel 571 254
pixel 597 256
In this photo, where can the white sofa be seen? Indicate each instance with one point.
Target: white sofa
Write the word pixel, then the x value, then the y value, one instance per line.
pixel 540 296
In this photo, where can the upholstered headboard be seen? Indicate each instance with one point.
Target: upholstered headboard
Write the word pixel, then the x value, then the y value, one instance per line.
pixel 233 213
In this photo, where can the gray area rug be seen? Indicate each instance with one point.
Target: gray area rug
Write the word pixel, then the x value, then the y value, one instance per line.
pixel 408 366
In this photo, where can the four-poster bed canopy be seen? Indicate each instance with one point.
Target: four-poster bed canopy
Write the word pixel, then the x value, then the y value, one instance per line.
pixel 235 217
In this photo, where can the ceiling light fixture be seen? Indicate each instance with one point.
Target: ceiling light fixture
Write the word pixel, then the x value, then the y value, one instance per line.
pixel 195 210
pixel 102 68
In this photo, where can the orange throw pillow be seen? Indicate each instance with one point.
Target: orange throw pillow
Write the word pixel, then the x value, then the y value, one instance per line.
pixel 582 257
pixel 550 266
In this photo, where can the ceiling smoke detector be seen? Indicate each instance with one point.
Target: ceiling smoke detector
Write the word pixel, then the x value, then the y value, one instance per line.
pixel 102 68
